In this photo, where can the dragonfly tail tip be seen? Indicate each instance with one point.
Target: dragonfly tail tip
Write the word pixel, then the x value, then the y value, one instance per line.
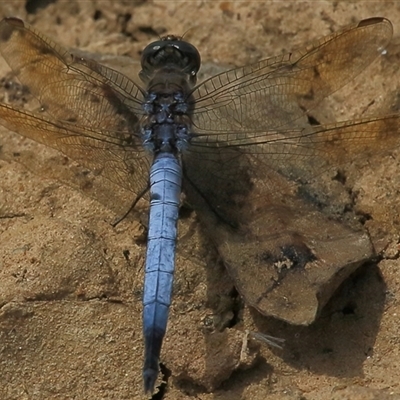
pixel 149 379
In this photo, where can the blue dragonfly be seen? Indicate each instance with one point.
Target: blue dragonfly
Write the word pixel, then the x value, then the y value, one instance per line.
pixel 233 144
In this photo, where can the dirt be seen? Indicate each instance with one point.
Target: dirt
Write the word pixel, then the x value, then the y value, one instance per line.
pixel 70 296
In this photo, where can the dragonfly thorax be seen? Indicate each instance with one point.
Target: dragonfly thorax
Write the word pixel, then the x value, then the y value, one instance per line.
pixel 167 127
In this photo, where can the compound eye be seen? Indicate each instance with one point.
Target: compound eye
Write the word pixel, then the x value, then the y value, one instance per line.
pixel 171 51
pixel 150 52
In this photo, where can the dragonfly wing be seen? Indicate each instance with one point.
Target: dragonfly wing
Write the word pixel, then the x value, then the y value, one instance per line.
pixel 87 111
pixel 279 90
pixel 104 153
pixel 69 88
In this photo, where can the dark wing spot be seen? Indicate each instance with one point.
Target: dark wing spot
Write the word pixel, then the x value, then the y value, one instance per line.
pixel 370 21
pixel 9 25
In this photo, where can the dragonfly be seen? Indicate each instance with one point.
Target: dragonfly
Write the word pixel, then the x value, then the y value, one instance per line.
pixel 234 145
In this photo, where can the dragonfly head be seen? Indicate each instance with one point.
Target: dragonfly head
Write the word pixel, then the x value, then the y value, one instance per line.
pixel 170 51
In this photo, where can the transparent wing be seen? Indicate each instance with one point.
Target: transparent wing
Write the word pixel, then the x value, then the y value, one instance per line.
pixel 272 93
pixel 68 87
pixel 87 111
pixel 229 173
pixel 244 118
pixel 102 152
